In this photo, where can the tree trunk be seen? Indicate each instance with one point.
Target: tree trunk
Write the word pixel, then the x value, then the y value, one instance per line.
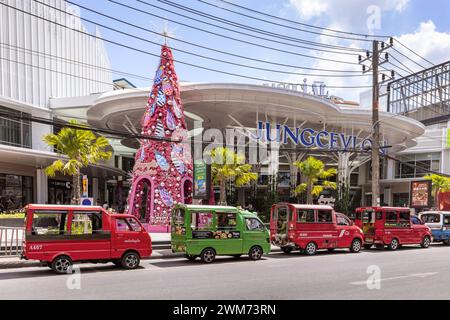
pixel 76 189
pixel 223 192
pixel 436 200
pixel 309 195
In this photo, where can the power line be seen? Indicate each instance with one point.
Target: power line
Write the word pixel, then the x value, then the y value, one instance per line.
pixel 254 29
pixel 181 50
pixel 282 25
pixel 50 56
pixel 415 53
pixel 234 31
pixel 405 56
pixel 220 51
pixel 300 23
pixel 179 61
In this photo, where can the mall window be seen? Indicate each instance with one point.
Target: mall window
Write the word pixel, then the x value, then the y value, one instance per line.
pixel 15 192
pixel 417 165
pixel 401 199
pixel 14 130
pixel 127 164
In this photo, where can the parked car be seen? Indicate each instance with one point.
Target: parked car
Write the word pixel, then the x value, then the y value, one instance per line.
pixel 391 227
pixel 62 235
pixel 310 228
pixel 439 223
pixel 209 231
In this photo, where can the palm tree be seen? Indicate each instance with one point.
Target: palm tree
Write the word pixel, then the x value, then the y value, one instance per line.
pixel 81 147
pixel 314 170
pixel 229 166
pixel 440 184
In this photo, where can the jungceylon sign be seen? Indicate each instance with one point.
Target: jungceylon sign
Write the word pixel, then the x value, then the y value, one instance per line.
pixel 310 138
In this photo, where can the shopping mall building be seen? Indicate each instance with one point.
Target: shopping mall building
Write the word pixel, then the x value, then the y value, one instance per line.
pixel 45 75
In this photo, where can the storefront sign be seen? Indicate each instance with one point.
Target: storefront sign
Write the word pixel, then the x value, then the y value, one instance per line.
pixel 421 194
pixel 202 181
pixel 310 138
pixel 85 187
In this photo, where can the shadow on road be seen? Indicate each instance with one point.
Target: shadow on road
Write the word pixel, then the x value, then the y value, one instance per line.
pixel 186 263
pixel 46 272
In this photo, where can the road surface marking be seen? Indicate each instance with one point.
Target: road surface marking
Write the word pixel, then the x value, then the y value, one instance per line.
pixel 416 275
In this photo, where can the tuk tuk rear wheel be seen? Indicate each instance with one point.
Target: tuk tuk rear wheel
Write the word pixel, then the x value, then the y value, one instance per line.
pixel 393 245
pixel 425 242
pixel 311 249
pixel 256 253
pixel 130 261
pixel 62 265
pixel 287 250
pixel 208 255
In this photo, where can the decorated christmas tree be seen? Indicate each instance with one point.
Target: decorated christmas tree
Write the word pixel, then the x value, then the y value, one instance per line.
pixel 162 176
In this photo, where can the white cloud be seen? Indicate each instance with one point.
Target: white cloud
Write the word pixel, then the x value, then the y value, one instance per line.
pixel 308 9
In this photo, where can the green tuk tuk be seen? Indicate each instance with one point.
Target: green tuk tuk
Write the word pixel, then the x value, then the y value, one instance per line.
pixel 208 231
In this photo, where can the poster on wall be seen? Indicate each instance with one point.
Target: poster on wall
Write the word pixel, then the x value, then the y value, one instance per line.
pixel 202 181
pixel 421 194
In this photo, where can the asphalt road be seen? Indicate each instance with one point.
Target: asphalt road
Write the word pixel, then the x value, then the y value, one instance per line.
pixel 410 273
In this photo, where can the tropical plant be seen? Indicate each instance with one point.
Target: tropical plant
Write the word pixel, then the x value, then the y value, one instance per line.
pixel 440 184
pixel 81 148
pixel 229 166
pixel 314 170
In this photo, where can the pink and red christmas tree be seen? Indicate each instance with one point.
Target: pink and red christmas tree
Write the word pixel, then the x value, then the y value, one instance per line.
pixel 163 167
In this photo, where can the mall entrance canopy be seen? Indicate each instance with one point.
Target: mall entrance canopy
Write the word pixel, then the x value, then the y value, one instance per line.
pixel 244 107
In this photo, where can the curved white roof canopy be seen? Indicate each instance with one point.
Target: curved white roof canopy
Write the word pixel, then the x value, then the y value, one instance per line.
pixel 223 105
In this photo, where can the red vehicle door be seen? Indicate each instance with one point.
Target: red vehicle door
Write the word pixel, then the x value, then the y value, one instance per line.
pixel 326 230
pixel 345 231
pixel 90 235
pixel 129 235
pixel 406 231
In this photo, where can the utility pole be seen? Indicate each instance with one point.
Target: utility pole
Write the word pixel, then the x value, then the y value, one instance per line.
pixel 376 62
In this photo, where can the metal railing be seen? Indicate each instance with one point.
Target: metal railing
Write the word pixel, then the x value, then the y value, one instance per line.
pixel 11 240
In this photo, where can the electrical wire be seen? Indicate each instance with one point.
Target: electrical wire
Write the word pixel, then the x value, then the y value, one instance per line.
pixel 179 61
pixel 184 51
pixel 300 23
pixel 53 57
pixel 414 52
pixel 220 51
pixel 231 30
pixel 253 29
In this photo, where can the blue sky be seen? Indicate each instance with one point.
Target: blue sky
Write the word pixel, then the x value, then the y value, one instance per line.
pixel 420 24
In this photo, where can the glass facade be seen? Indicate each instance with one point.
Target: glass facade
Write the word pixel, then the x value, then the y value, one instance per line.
pixel 15 192
pixel 417 165
pixel 15 132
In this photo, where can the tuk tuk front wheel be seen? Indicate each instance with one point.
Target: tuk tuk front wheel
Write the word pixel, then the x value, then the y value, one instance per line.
pixel 62 265
pixel 393 245
pixel 208 255
pixel 311 249
pixel 256 253
pixel 130 261
pixel 425 242
pixel 356 246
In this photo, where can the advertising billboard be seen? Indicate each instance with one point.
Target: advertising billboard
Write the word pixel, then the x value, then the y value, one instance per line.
pixel 421 194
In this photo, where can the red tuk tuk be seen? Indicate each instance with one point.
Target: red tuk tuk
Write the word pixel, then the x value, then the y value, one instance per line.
pixel 62 235
pixel 309 228
pixel 392 227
